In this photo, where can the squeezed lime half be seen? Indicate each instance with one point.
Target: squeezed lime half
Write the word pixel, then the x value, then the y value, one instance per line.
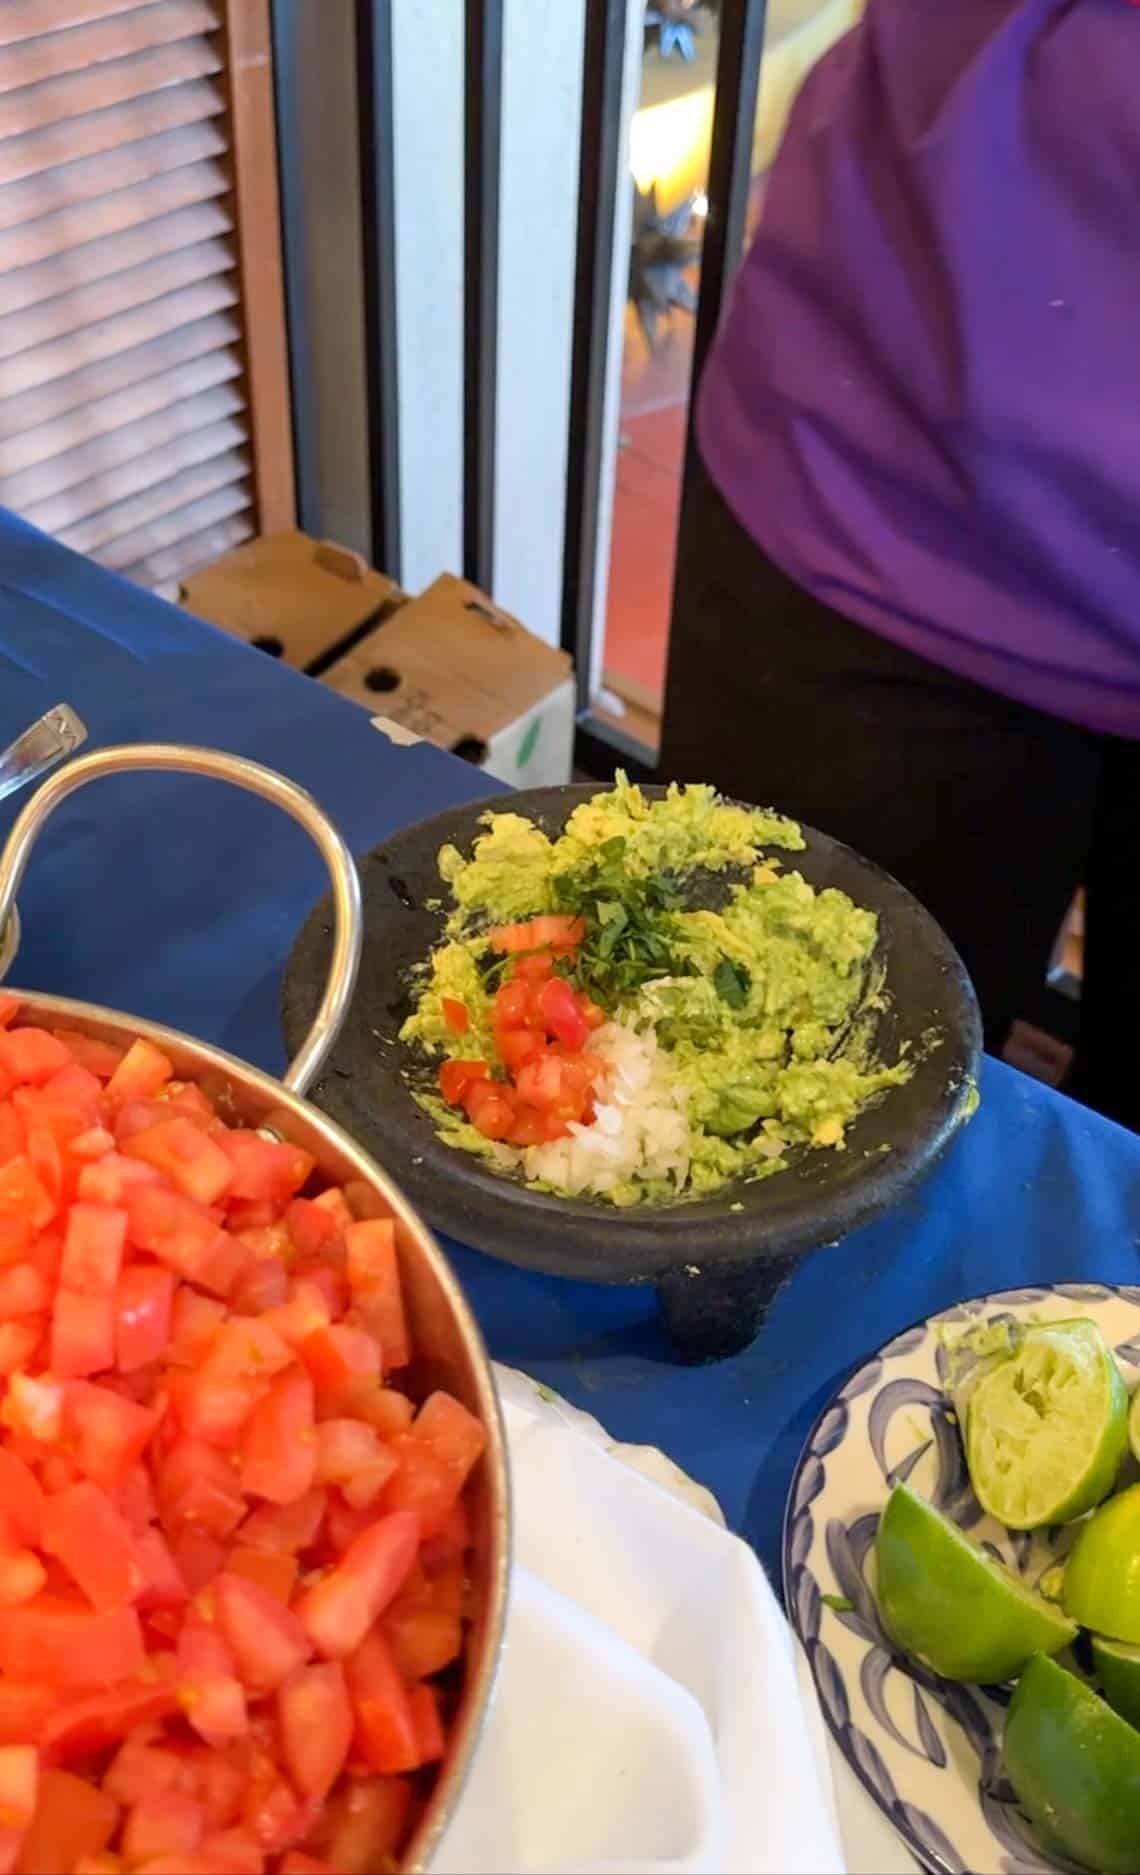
pixel 1047 1428
pixel 1075 1767
pixel 946 1601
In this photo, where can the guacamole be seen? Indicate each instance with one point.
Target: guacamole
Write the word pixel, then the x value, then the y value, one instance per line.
pixel 739 1001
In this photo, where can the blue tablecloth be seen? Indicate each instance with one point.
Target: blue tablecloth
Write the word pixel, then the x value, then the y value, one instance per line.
pixel 178 900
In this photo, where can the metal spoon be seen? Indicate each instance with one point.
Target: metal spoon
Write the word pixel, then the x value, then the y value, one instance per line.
pixel 57 733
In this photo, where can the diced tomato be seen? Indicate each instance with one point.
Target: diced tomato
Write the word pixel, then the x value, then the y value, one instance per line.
pixel 338 1611
pixel 374 1277
pixel 33 1407
pixel 18 1343
pixel 144 1596
pixel 22 1576
pixel 198 1556
pixel 82 1333
pixel 561 1014
pixel 212 1407
pixel 384 1408
pixel 294 1863
pixel 455 1077
pixel 143 1302
pixel 268 1641
pixel 338 1358
pixel 366 1823
pixel 139 1075
pixel 108 1178
pixel 316 1723
pixel 301 1315
pixel 194 1163
pixel 278 1448
pixel 311 1226
pixel 385 1722
pixel 108 1433
pixel 287 1527
pixel 194 1322
pixel 163 1585
pixel 73 1819
pixel 264 1168
pixel 424 1702
pixel 23 1195
pixel 95 1143
pixel 553 931
pixel 272 1812
pixel 74 1086
pixel 456 1015
pixel 262 1285
pixel 86 1532
pixel 336 1204
pixel 533 967
pixel 25 1707
pixel 21 1503
pixel 232 1852
pixel 19 1782
pixel 451 1432
pixel 15 1237
pixel 93 1248
pixel 166 1824
pixel 92 1722
pixel 349 1454
pixel 197 1485
pixel 422 1483
pixel 516 1047
pixel 274 1570
pixel 184 1235
pixel 491 1109
pixel 31 1055
pixel 423 1640
pixel 99 1058
pixel 209 1691
pixel 68 1643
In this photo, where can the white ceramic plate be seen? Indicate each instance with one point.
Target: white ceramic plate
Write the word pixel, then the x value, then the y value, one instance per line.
pixel 928 1751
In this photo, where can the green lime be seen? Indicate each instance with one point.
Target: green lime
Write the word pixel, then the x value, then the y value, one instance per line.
pixel 1075 1768
pixel 1047 1428
pixel 1102 1576
pixel 1134 1425
pixel 945 1600
pixel 1117 1665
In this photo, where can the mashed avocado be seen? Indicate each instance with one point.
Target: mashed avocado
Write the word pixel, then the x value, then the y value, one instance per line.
pixel 763 1009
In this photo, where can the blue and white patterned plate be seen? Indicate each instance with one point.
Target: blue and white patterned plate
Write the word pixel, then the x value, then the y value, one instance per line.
pixel 927 1750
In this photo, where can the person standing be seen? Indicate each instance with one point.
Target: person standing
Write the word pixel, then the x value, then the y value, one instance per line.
pixel 908 590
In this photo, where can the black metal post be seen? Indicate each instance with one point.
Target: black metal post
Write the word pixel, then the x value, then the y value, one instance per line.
pixel 483 135
pixel 378 235
pixel 599 179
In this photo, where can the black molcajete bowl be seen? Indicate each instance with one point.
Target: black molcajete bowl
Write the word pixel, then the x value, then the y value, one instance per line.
pixel 718 1261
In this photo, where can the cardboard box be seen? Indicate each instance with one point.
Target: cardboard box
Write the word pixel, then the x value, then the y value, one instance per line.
pixel 453 668
pixel 299 599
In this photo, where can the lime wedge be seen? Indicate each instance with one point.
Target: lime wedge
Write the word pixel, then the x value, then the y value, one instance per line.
pixel 1102 1576
pixel 1047 1428
pixel 1134 1425
pixel 945 1600
pixel 1075 1768
pixel 1118 1670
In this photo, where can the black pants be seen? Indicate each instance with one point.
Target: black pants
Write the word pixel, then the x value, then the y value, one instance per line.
pixel 990 812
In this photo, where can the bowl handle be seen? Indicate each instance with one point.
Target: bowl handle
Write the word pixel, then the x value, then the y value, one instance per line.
pixel 311 1055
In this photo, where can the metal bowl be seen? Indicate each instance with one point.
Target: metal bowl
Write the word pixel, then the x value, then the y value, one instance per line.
pixel 716 1261
pixel 449 1348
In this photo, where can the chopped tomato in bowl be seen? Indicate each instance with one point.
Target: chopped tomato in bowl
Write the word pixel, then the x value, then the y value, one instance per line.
pixel 545 1078
pixel 236 1564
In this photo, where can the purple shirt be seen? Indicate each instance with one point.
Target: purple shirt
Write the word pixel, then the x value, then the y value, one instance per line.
pixel 924 404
